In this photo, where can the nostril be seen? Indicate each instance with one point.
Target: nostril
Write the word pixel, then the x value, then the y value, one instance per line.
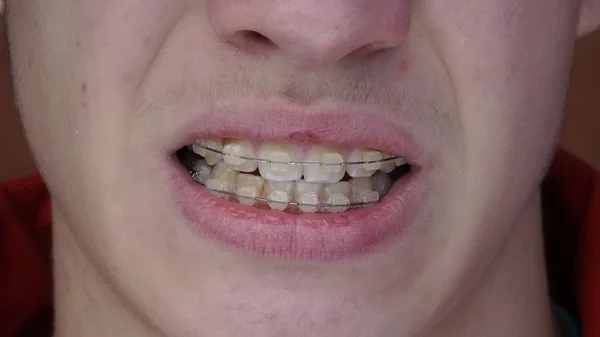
pixel 255 36
pixel 253 39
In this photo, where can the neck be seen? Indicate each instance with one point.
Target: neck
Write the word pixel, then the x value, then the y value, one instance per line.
pixel 511 299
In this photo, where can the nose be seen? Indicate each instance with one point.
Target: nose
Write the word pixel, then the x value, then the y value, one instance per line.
pixel 315 31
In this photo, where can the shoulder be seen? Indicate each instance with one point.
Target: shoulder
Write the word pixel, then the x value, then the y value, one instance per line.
pixel 25 199
pixel 25 238
pixel 572 219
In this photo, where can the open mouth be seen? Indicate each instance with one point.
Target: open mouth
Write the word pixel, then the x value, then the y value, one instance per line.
pixel 290 177
pixel 290 182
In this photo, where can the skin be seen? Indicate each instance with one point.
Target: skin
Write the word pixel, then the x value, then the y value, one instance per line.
pixel 101 85
pixel 14 151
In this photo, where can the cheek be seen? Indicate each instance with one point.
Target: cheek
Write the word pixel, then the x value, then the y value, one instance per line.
pixel 507 66
pixel 40 51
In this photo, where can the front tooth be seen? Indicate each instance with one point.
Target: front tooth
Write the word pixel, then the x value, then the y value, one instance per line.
pixel 381 183
pixel 336 194
pixel 361 190
pixel 201 147
pixel 249 187
pixel 280 153
pixel 278 193
pixel 333 170
pixel 234 149
pixel 389 165
pixel 362 155
pixel 202 171
pixel 307 194
pixel 222 179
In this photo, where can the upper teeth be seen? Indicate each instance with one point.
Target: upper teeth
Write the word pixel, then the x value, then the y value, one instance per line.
pixel 389 164
pixel 372 159
pixel 281 159
pixel 288 162
pixel 333 168
pixel 235 150
pixel 202 148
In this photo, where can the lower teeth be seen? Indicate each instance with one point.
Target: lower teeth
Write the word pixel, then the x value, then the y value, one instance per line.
pixel 293 196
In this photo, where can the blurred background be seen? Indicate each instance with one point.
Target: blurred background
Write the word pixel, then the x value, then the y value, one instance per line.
pixel 581 135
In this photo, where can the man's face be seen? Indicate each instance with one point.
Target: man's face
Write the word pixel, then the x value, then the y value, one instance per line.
pixel 469 93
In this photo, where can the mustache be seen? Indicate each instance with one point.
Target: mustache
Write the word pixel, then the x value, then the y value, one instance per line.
pixel 375 85
pixel 371 85
pixel 362 90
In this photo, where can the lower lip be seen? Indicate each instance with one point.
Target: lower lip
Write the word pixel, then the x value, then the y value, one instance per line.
pixel 308 236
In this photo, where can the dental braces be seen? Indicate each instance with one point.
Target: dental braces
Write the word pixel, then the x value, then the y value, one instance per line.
pixel 307 163
pixel 291 203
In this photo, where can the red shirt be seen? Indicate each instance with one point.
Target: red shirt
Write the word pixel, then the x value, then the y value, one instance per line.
pixel 571 202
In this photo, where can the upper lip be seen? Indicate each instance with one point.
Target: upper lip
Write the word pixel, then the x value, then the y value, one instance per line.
pixel 272 121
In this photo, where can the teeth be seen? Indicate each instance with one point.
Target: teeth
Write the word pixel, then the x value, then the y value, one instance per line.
pixel 324 173
pixel 278 194
pixel 361 190
pixel 210 157
pixel 189 158
pixel 234 149
pixel 336 194
pixel 400 161
pixel 381 183
pixel 280 153
pixel 308 194
pixel 389 165
pixel 203 171
pixel 370 197
pixel 222 179
pixel 249 187
pixel 363 170
pixel 284 179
